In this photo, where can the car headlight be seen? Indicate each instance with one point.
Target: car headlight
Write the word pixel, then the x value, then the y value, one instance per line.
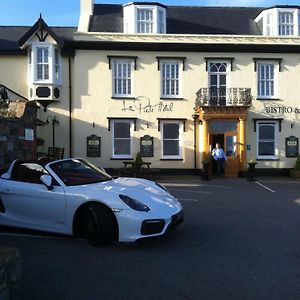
pixel 133 203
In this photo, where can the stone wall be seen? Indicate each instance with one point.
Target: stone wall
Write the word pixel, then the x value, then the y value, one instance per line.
pixel 17 132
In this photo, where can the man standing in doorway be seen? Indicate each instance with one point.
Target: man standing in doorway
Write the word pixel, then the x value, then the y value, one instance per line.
pixel 220 157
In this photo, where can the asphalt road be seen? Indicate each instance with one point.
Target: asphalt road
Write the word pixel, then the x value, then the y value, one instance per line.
pixel 240 240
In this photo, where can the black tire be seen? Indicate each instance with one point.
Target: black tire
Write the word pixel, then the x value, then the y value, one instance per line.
pixel 98 224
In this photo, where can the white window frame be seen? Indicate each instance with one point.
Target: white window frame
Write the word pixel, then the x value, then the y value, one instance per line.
pixel 144 22
pixel 161 21
pixel 266 81
pixel 180 139
pixel 52 65
pixel 120 79
pixel 276 150
pixel 286 28
pixel 164 81
pixel 57 66
pixel 45 63
pixel 227 73
pixel 131 123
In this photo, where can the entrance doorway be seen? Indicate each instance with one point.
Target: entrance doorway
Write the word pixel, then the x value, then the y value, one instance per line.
pixel 227 136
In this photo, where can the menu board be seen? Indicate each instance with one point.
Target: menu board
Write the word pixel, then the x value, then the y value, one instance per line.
pixel 93 146
pixel 146 146
pixel 291 146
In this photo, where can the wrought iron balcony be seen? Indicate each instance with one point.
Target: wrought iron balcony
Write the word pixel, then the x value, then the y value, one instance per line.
pixel 224 97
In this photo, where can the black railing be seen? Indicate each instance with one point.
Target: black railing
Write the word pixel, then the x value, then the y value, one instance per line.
pixel 224 97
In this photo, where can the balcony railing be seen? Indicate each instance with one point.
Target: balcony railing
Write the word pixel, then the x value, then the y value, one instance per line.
pixel 224 97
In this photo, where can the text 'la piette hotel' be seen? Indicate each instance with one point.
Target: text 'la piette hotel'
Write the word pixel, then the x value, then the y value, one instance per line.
pixel 166 81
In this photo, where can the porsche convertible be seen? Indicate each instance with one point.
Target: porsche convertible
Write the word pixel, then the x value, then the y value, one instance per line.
pixel 74 197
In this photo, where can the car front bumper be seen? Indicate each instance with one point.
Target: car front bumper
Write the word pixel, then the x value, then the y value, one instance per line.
pixel 146 226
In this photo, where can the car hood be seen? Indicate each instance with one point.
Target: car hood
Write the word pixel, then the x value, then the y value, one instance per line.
pixel 140 189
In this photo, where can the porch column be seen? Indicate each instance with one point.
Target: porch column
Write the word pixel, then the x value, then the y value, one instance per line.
pixel 242 144
pixel 205 138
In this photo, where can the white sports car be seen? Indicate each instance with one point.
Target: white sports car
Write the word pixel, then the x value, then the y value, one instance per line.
pixel 74 197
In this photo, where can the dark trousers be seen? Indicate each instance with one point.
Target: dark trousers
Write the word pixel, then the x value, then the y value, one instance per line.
pixel 220 166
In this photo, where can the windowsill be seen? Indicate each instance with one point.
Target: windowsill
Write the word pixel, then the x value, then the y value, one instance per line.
pixel 267 159
pixel 120 158
pixel 171 159
pixel 42 82
pixel 268 99
pixel 122 97
pixel 170 98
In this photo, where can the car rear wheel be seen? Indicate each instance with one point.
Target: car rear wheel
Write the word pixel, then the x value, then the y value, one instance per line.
pixel 98 224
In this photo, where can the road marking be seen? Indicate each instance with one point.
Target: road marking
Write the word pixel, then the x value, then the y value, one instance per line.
pixel 265 187
pixel 170 184
pixel 187 191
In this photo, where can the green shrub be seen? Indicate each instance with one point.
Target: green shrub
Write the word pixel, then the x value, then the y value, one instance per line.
pixel 297 165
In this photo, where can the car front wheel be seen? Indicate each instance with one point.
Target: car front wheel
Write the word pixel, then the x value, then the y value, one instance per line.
pixel 98 224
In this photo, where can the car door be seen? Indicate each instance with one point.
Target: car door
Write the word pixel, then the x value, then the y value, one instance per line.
pixel 32 205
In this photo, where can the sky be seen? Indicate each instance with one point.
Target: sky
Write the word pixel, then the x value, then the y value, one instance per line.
pixel 66 12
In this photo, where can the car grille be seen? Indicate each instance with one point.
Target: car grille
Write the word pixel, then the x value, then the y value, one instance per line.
pixel 152 227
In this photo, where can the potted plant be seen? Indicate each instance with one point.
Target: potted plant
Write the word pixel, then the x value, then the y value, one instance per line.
pixel 138 161
pixel 205 169
pixel 295 173
pixel 251 169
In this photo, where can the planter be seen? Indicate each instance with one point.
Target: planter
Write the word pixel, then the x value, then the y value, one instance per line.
pixel 294 173
pixel 251 171
pixel 205 170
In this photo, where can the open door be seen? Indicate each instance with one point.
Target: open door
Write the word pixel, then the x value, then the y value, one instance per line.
pixel 231 150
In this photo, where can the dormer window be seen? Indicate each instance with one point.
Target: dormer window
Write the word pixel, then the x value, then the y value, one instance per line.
pixel 144 18
pixel 280 21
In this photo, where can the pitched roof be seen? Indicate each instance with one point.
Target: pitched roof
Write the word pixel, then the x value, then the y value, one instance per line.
pixel 9 36
pixel 185 19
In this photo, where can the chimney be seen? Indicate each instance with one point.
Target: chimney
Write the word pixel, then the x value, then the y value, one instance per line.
pixel 86 11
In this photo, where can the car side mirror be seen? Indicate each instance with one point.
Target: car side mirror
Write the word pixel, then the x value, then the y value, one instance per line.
pixel 47 181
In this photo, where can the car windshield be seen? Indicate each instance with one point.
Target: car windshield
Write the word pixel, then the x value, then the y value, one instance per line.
pixel 79 172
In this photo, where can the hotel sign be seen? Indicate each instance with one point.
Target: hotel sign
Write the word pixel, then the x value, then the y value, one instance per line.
pixel 282 110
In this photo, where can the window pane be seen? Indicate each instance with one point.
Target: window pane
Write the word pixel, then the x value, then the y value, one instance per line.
pixel 231 145
pixel 213 80
pixel 221 126
pixel 266 132
pixel 171 147
pixel 122 130
pixel 223 79
pixel 213 68
pixel 266 148
pixel 46 71
pixel 122 147
pixel 171 131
